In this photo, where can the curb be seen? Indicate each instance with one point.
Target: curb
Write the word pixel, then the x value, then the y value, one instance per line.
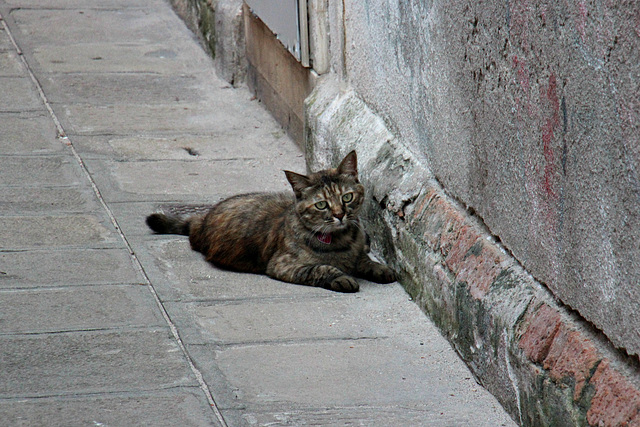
pixel 545 365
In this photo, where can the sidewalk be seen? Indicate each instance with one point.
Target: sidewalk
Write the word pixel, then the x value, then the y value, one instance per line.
pixel 110 110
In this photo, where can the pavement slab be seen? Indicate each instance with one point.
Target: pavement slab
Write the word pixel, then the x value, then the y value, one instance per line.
pixel 66 267
pixel 28 133
pixel 86 4
pixel 321 316
pixel 118 119
pixel 357 416
pixel 5 41
pixel 269 145
pixel 110 110
pixel 183 180
pixel 25 232
pixel 33 200
pixel 120 58
pixel 141 88
pixel 18 94
pixel 20 171
pixel 10 64
pixel 54 26
pixel 183 406
pixel 342 375
pixel 88 362
pixel 77 308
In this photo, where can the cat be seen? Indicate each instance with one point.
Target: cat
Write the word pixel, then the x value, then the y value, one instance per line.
pixel 311 237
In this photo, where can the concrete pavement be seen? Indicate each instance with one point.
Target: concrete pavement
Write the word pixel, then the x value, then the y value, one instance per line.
pixel 110 110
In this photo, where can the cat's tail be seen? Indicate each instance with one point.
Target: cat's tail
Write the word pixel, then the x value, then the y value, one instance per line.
pixel 169 224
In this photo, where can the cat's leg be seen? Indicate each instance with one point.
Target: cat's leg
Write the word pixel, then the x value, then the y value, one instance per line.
pixel 373 271
pixel 288 269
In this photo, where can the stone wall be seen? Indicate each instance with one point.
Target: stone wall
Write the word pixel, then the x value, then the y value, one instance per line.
pixel 527 113
pixel 544 363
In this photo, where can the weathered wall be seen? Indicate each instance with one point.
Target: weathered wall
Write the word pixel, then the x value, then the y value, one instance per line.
pixel 544 364
pixel 528 113
pixel 500 140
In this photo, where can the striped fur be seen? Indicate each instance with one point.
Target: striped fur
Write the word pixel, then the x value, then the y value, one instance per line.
pixel 312 237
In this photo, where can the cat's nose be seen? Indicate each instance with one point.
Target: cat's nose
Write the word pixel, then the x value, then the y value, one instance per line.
pixel 339 215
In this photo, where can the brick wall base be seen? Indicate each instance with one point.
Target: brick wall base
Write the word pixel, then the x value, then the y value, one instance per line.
pixel 545 364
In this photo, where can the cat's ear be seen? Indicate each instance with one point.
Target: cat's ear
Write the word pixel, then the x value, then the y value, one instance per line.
pixel 349 165
pixel 298 182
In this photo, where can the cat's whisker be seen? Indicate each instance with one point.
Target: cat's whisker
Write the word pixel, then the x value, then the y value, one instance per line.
pixel 318 229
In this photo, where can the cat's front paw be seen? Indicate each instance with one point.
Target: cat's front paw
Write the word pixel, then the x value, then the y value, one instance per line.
pixel 383 274
pixel 344 284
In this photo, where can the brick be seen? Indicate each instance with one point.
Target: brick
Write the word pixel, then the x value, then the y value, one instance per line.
pixel 480 267
pixel 435 222
pixel 571 355
pixel 543 327
pixel 422 203
pixel 465 239
pixel 466 255
pixel 616 401
pixel 452 223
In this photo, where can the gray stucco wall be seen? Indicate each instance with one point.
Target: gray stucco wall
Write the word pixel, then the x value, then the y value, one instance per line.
pixel 527 113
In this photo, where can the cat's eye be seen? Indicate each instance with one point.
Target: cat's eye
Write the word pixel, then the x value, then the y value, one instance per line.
pixel 347 197
pixel 322 205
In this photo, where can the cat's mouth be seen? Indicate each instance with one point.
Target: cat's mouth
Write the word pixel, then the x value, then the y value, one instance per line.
pixel 329 229
pixel 324 238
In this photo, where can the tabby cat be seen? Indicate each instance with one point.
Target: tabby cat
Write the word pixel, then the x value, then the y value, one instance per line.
pixel 314 238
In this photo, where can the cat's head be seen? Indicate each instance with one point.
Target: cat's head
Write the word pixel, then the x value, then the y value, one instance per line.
pixel 328 200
